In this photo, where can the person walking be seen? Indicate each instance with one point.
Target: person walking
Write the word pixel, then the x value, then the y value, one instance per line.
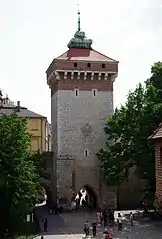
pixel 105 218
pixel 45 225
pixel 119 222
pixel 131 218
pixel 98 219
pixel 101 216
pixel 77 200
pixel 86 228
pixel 111 218
pixel 94 228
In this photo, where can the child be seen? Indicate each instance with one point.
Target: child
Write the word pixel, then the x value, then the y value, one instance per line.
pixel 105 234
pixel 110 234
pixel 94 227
pixel 86 228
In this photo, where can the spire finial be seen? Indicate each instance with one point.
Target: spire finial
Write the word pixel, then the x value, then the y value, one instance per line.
pixel 79 40
pixel 78 18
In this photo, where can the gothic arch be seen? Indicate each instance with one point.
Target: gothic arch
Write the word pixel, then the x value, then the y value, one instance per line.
pixel 92 196
pixel 48 191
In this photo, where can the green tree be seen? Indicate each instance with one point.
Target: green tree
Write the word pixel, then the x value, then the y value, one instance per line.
pixel 156 79
pixel 128 131
pixel 39 160
pixel 18 179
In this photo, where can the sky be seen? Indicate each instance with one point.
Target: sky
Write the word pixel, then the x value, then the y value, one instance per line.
pixel 34 32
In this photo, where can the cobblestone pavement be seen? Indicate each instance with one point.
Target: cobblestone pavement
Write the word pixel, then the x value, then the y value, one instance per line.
pixel 70 225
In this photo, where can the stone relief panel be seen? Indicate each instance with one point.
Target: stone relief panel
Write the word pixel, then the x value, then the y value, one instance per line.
pixel 86 130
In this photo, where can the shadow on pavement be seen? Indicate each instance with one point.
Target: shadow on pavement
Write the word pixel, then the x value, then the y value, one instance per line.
pixel 56 223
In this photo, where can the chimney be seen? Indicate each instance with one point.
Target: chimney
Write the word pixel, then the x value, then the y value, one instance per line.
pixel 18 106
pixel 1 99
pixel 7 99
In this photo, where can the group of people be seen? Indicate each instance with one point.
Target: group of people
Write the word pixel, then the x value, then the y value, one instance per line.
pixel 105 218
pixel 107 234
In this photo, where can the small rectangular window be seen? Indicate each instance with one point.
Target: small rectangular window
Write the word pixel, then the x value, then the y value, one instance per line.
pixel 88 65
pixel 76 92
pixel 75 64
pixel 103 65
pixel 86 153
pixel 94 92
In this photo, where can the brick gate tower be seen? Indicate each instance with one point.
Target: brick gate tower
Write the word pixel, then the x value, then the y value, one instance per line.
pixel 81 83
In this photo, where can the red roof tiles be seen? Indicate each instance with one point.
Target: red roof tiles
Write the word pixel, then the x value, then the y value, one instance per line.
pixel 76 54
pixel 157 133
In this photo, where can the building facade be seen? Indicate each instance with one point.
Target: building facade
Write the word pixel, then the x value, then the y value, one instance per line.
pixel 157 138
pixel 37 125
pixel 81 83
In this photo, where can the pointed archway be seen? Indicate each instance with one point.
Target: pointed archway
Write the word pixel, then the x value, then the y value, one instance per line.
pixel 91 196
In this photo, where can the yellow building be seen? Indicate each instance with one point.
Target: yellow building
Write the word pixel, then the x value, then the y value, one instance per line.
pixel 38 126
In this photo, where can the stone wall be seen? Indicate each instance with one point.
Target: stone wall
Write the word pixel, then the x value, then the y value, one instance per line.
pixel 81 121
pixel 131 193
pixel 109 197
pixel 65 169
pixel 80 134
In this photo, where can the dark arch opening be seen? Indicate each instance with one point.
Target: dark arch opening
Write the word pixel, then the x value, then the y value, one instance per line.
pixel 92 197
pixel 48 193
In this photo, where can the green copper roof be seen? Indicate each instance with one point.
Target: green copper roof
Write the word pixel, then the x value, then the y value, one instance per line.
pixel 79 40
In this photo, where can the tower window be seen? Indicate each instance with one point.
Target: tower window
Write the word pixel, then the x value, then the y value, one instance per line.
pixel 94 92
pixel 76 92
pixel 75 64
pixel 89 65
pixel 86 153
pixel 103 65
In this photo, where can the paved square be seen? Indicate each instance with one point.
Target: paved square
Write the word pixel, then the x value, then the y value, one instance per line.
pixel 70 225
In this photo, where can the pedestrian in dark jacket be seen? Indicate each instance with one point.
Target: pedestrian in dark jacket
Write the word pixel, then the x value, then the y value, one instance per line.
pixel 45 225
pixel 94 228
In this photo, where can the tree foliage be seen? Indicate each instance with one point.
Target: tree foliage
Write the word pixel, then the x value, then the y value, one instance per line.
pixel 39 159
pixel 128 131
pixel 18 178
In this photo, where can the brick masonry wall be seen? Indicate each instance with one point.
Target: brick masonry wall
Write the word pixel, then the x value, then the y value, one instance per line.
pixel 83 85
pixel 82 65
pixel 158 163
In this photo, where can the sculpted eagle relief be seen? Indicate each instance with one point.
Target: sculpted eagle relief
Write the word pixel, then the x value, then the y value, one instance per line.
pixel 86 130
